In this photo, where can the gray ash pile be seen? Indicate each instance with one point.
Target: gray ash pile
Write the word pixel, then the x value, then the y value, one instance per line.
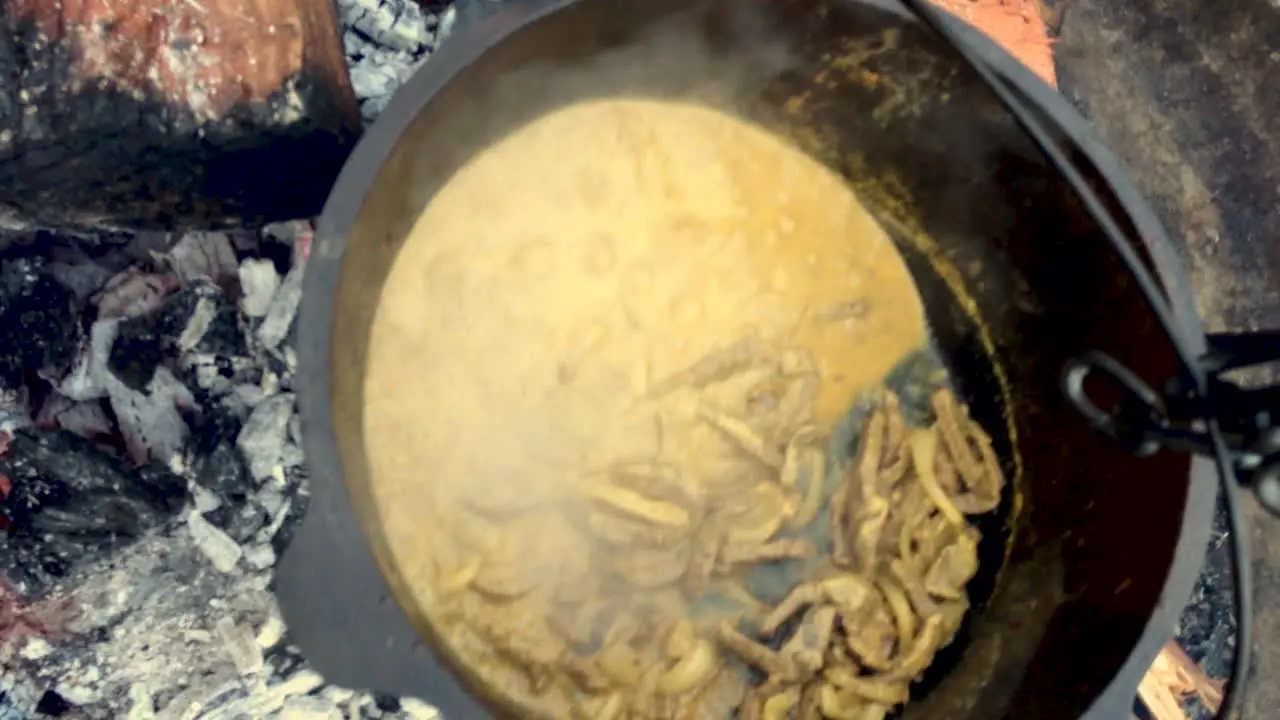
pixel 150 473
pixel 150 463
pixel 385 41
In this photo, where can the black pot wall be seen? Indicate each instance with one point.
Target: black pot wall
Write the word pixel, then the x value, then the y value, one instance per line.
pixel 1016 277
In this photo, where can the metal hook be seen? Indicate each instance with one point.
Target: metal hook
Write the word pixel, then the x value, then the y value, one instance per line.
pixel 1141 415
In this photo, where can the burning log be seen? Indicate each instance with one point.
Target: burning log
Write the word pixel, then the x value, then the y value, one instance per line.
pixel 1172 679
pixel 170 114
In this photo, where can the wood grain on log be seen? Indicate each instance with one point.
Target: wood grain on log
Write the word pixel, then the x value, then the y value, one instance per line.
pixel 170 114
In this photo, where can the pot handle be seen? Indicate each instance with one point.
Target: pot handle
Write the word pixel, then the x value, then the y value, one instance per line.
pixel 1146 421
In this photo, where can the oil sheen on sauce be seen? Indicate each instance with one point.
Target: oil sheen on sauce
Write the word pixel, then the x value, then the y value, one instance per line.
pixel 552 283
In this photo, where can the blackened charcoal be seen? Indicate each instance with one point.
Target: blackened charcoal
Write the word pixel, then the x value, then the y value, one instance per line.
pixel 222 472
pixel 283 660
pixel 212 426
pixel 386 703
pixel 152 423
pixel 293 517
pixel 1206 629
pixel 221 336
pixel 136 353
pixel 214 376
pixel 278 249
pixel 163 489
pixel 198 317
pixel 39 321
pixel 62 484
pixel 52 705
pixel 239 522
pixel 277 364
pixel 83 278
pixel 33 568
pixel 225 695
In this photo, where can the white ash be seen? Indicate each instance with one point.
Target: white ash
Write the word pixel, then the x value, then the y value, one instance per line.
pixel 203 254
pixel 258 283
pixel 282 308
pixel 385 41
pixel 88 379
pixel 180 625
pixel 201 318
pixel 263 439
pixel 222 552
pixel 151 421
pixel 241 643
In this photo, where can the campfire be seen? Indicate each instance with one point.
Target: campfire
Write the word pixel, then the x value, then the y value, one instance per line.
pixel 151 467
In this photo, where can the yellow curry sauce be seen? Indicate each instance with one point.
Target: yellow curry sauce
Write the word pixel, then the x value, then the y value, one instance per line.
pixel 543 320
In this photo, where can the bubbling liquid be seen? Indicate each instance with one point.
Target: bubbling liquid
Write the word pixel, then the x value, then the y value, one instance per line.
pixel 615 345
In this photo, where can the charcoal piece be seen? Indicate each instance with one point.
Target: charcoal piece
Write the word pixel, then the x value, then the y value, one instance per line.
pixel 283 661
pixel 278 248
pixel 290 522
pixel 229 113
pixel 220 334
pixel 223 472
pixel 239 522
pixel 263 437
pixel 204 255
pixel 213 425
pixel 222 551
pixel 216 377
pixel 69 501
pixel 165 490
pixel 39 322
pixel 49 469
pixel 292 456
pixel 1206 629
pixel 151 423
pixel 223 695
pixel 82 278
pixel 283 309
pixel 310 707
pixel 89 375
pixel 86 419
pixel 136 353
pixel 386 702
pixel 52 705
pixel 258 283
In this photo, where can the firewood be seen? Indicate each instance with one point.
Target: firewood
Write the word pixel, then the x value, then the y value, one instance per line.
pixel 1172 678
pixel 170 114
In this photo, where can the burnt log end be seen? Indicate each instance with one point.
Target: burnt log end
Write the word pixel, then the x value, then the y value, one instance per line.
pixel 170 114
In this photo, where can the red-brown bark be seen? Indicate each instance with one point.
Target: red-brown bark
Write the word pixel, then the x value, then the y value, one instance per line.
pixel 170 113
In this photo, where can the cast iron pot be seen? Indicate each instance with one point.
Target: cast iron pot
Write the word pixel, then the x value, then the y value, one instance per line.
pixel 1102 548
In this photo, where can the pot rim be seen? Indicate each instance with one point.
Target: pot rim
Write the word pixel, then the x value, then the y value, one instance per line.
pixel 358 634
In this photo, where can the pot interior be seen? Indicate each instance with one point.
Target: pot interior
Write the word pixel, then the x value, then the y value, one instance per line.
pixel 1015 277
